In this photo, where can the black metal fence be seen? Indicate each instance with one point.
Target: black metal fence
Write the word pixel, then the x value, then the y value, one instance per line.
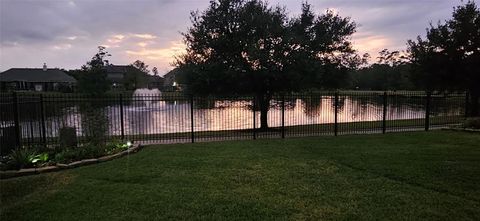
pixel 28 119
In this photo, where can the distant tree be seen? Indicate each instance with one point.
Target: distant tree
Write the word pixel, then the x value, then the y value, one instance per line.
pixel 390 72
pixel 448 58
pixel 93 78
pixel 136 75
pixel 155 71
pixel 248 47
pixel 391 58
pixel 141 66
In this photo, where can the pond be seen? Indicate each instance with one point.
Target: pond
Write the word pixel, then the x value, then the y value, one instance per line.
pixel 152 114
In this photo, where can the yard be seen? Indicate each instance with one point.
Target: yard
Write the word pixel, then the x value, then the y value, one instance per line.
pixel 397 176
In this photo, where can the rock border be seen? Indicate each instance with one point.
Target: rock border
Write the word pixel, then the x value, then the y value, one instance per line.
pixel 461 129
pixel 60 166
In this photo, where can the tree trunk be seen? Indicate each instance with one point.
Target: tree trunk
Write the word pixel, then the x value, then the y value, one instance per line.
pixel 474 104
pixel 264 104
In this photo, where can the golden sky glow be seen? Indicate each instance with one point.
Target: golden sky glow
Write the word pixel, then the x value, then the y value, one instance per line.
pixel 66 33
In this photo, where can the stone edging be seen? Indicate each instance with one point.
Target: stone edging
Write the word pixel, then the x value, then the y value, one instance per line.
pixel 463 129
pixel 30 171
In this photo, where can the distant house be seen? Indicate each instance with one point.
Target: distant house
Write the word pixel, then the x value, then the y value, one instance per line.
pixel 36 79
pixel 129 77
pixel 170 82
pixel 155 82
pixel 116 74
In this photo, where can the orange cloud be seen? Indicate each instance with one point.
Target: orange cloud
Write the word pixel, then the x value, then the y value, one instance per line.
pixel 370 43
pixel 175 48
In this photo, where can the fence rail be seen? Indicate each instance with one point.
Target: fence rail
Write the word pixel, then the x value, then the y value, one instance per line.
pixel 28 119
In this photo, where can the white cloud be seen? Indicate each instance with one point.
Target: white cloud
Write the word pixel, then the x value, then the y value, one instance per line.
pixel 62 47
pixel 145 36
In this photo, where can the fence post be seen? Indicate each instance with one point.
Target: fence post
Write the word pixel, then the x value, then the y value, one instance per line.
pixel 191 118
pixel 427 111
pixel 42 112
pixel 283 115
pixel 384 120
pixel 16 120
pixel 467 104
pixel 121 117
pixel 336 113
pixel 254 116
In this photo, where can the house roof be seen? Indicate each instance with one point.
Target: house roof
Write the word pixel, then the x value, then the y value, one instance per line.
pixel 36 75
pixel 117 68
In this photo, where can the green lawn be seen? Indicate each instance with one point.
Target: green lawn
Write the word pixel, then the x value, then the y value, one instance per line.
pixel 401 176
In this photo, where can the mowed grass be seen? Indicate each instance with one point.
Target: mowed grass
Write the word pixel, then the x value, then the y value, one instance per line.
pixel 398 176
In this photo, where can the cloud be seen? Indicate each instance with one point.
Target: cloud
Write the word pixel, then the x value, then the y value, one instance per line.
pixel 142 44
pixel 167 53
pixel 145 36
pixel 115 39
pixel 62 47
pixel 66 33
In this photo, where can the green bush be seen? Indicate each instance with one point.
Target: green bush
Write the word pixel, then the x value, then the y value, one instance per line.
pixel 80 153
pixel 472 123
pixel 21 158
pixel 90 151
pixel 116 146
pixel 94 124
pixel 40 159
pixel 68 137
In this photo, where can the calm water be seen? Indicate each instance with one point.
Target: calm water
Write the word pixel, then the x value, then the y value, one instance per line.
pixel 157 117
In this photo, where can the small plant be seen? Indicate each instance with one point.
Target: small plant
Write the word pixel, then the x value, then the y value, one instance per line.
pixel 472 123
pixel 21 158
pixel 117 146
pixel 60 157
pixel 40 159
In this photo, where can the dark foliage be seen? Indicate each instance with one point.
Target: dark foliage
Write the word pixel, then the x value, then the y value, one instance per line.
pixel 248 47
pixel 448 58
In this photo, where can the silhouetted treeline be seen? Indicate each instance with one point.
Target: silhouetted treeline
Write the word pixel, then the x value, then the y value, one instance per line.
pixel 382 77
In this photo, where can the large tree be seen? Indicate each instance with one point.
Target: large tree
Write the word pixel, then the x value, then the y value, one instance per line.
pixel 447 59
pixel 92 78
pixel 249 47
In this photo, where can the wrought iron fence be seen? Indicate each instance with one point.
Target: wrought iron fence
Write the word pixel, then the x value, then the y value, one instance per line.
pixel 28 119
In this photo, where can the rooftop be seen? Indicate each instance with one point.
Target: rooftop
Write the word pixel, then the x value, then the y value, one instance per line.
pixel 35 75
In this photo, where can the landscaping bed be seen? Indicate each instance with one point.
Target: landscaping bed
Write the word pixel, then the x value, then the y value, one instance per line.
pixel 27 160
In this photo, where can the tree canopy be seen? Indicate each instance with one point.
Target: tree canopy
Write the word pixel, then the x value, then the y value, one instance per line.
pixel 136 76
pixel 93 77
pixel 390 72
pixel 249 47
pixel 448 58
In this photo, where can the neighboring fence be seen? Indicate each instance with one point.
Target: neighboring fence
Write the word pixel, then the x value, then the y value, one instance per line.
pixel 28 119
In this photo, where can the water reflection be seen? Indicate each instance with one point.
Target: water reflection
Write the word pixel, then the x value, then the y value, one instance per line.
pixel 171 116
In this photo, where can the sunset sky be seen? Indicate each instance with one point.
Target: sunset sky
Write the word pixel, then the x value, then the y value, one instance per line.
pixel 66 33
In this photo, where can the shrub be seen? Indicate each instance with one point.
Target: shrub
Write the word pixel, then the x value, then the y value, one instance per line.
pixel 94 124
pixel 117 146
pixel 90 151
pixel 68 137
pixel 21 158
pixel 74 154
pixel 472 123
